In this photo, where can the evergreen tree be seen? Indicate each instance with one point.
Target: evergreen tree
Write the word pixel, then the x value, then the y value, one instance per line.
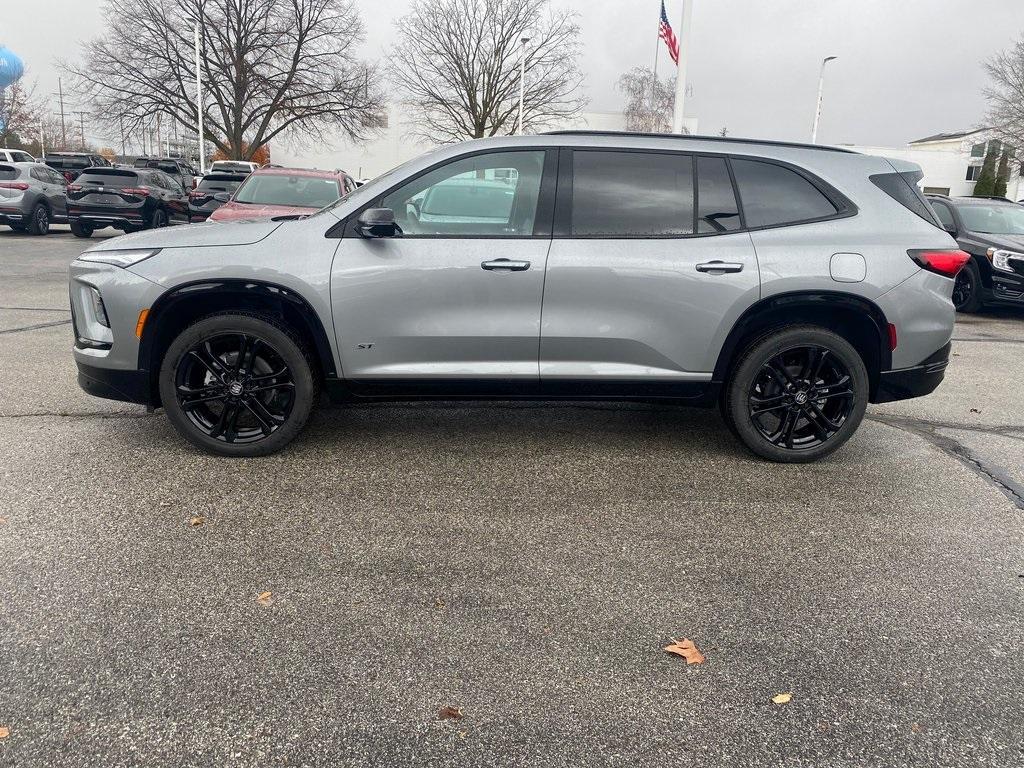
pixel 986 183
pixel 1003 175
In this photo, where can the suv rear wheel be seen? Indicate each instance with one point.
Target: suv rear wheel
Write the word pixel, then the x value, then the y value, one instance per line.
pixel 238 385
pixel 39 220
pixel 80 230
pixel 797 394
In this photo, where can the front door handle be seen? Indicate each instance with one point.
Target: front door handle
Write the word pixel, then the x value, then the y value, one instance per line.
pixel 720 267
pixel 505 265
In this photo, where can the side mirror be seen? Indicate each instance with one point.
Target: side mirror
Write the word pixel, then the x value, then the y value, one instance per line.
pixel 222 197
pixel 378 222
pixel 952 230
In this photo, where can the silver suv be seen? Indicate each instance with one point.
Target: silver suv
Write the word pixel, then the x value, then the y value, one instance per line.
pixel 788 284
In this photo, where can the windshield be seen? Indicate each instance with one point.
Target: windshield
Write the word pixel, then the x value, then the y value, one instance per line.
pixel 286 189
pixel 993 219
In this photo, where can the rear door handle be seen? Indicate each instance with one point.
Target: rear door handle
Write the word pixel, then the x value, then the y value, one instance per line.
pixel 505 265
pixel 720 267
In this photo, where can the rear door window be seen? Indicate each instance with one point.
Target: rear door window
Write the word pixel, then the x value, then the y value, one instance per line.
pixel 945 215
pixel 632 194
pixel 773 195
pixel 717 210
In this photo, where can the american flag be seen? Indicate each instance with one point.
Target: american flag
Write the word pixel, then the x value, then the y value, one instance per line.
pixel 665 33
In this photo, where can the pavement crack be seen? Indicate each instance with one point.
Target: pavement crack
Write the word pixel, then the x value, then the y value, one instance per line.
pixel 36 326
pixel 990 340
pixel 928 430
pixel 76 415
pixel 36 309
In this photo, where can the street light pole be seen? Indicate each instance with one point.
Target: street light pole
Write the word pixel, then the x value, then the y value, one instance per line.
pixel 522 82
pixel 199 105
pixel 684 55
pixel 821 90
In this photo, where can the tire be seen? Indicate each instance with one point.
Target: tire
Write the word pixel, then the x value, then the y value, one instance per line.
pixel 80 230
pixel 157 219
pixel 802 415
pixel 232 412
pixel 967 296
pixel 39 220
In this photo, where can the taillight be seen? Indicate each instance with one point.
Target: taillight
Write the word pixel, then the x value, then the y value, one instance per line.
pixel 892 336
pixel 945 263
pixel 140 191
pixel 196 194
pixel 74 187
pixel 68 176
pixel 21 185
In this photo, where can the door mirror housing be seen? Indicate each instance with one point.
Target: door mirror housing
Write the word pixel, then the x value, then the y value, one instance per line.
pixel 222 197
pixel 378 222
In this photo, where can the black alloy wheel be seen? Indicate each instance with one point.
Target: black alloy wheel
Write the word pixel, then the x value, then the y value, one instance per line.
pixel 796 394
pixel 235 387
pixel 39 223
pixel 967 288
pixel 158 219
pixel 238 384
pixel 801 397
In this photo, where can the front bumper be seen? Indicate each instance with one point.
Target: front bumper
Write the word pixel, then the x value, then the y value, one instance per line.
pixel 112 384
pixel 12 218
pixel 916 381
pixel 108 356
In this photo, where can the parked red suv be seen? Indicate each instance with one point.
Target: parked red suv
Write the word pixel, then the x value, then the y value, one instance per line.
pixel 271 192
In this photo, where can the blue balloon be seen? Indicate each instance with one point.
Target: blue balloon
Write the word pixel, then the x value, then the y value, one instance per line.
pixel 11 67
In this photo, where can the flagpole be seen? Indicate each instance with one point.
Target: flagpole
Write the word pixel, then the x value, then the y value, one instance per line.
pixel 654 81
pixel 684 54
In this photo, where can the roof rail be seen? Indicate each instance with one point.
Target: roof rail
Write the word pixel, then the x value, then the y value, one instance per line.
pixel 723 139
pixel 992 197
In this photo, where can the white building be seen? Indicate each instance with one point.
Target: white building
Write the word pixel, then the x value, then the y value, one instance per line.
pixel 394 146
pixel 951 162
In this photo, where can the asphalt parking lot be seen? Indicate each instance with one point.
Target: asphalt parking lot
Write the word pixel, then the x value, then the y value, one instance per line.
pixel 522 563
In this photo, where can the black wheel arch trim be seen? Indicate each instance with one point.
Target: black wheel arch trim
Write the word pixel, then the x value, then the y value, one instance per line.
pixel 262 290
pixel 798 300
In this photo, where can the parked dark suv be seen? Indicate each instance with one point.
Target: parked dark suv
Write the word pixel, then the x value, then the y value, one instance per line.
pixel 71 164
pixel 126 199
pixel 992 231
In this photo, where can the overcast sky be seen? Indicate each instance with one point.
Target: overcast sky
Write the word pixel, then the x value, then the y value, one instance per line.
pixel 906 68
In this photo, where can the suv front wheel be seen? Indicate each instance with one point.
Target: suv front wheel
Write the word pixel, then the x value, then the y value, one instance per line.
pixel 797 394
pixel 238 385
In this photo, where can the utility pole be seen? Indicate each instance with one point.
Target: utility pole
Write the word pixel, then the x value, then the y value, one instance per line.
pixel 684 55
pixel 821 90
pixel 63 126
pixel 522 82
pixel 81 122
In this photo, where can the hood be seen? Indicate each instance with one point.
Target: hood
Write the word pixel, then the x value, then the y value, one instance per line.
pixel 232 211
pixel 192 235
pixel 1006 242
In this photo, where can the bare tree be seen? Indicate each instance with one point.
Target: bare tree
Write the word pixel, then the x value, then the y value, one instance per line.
pixel 271 69
pixel 649 100
pixel 458 65
pixel 1005 95
pixel 20 112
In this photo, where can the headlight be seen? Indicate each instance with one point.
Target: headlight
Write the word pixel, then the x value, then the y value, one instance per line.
pixel 1001 259
pixel 119 258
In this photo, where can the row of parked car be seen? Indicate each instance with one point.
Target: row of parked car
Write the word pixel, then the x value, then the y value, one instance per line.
pixel 88 192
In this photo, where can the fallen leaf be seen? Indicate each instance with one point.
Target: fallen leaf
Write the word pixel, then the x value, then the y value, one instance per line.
pixel 463 734
pixel 438 602
pixel 4 731
pixel 451 713
pixel 916 727
pixel 783 698
pixel 687 650
pixel 975 410
pixel 265 598
pixel 196 520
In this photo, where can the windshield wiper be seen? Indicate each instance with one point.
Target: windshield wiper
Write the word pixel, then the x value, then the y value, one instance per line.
pixel 289 217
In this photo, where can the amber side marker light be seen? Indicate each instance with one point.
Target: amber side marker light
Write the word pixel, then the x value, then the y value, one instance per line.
pixel 141 324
